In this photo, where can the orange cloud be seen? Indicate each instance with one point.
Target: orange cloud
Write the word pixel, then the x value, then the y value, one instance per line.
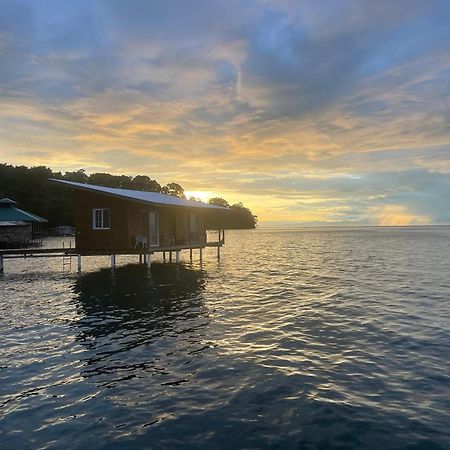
pixel 396 215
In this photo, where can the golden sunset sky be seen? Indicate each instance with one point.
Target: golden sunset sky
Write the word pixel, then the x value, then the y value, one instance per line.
pixel 309 112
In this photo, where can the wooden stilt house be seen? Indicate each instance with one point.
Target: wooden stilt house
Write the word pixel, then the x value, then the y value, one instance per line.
pixel 113 221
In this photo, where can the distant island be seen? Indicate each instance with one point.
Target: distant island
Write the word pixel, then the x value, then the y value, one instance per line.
pixel 29 186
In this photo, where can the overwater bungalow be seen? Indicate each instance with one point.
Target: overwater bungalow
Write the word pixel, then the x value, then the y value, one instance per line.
pixel 18 228
pixel 124 221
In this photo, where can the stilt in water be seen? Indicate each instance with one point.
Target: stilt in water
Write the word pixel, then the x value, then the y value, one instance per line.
pixel 164 256
pixel 1 265
pixel 177 256
pixel 218 253
pixel 201 255
pixel 170 256
pixel 79 263
pixel 149 260
pixel 190 254
pixel 113 261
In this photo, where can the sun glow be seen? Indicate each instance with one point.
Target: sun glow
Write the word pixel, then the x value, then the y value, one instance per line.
pixel 203 196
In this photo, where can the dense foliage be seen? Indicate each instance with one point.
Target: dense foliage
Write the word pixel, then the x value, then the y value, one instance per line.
pixel 31 189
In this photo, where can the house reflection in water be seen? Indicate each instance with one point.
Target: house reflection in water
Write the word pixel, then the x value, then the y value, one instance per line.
pixel 133 323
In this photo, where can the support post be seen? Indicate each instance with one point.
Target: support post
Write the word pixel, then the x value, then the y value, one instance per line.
pixel 177 255
pixel 190 254
pixel 218 253
pixel 140 258
pixel 1 265
pixel 113 261
pixel 223 236
pixel 164 256
pixel 79 262
pixel 170 256
pixel 201 255
pixel 149 260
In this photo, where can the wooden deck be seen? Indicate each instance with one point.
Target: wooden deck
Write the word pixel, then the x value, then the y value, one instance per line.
pixel 145 253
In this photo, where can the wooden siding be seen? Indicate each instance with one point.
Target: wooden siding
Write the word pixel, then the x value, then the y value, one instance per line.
pixel 129 219
pixel 88 238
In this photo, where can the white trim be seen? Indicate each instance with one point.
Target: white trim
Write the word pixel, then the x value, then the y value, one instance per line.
pixel 100 226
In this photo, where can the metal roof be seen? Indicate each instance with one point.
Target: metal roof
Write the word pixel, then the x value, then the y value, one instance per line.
pixel 12 214
pixel 141 196
pixel 7 201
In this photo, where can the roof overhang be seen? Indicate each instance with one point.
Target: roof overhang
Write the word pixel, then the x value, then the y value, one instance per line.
pixel 142 197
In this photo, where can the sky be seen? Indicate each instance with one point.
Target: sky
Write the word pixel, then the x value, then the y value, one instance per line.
pixel 310 112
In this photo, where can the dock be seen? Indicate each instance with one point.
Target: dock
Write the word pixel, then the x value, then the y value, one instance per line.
pixel 144 254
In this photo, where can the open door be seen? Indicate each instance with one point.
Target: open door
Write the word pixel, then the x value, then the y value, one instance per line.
pixel 153 229
pixel 193 228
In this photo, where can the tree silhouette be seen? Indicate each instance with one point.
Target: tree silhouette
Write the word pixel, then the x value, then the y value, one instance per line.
pixel 173 189
pixel 30 188
pixel 218 201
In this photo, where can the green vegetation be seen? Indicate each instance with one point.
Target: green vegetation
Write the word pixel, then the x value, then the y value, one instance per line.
pixel 240 217
pixel 32 190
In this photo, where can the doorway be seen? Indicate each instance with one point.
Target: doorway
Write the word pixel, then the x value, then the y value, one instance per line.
pixel 153 229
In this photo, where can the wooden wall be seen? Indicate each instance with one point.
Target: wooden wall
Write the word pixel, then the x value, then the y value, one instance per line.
pixel 128 220
pixel 88 238
pixel 14 235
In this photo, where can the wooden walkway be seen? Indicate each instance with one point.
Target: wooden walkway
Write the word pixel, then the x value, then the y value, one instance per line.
pixel 145 254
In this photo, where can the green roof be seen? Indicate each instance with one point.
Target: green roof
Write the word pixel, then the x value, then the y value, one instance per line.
pixel 9 213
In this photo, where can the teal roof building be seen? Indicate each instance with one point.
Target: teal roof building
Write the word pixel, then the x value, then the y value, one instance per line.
pixel 10 213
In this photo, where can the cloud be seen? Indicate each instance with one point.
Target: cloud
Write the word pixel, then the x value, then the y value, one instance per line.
pixel 395 215
pixel 332 111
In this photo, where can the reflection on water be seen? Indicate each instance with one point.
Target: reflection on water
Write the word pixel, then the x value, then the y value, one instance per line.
pixel 131 319
pixel 322 339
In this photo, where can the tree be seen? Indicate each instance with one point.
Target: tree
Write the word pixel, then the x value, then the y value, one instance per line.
pixel 238 217
pixel 145 183
pixel 243 217
pixel 173 189
pixel 78 176
pixel 33 192
pixel 218 201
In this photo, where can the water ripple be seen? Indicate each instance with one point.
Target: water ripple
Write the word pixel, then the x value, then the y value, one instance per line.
pixel 322 339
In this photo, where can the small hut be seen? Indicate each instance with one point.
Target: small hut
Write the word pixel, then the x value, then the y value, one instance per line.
pixel 112 220
pixel 18 228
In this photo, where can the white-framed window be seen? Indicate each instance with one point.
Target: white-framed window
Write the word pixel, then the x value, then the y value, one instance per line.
pixel 101 219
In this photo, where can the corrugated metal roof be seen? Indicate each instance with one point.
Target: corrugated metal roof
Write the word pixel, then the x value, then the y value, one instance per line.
pixel 13 214
pixel 142 196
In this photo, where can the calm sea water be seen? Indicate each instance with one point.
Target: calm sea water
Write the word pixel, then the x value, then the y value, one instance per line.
pixel 331 338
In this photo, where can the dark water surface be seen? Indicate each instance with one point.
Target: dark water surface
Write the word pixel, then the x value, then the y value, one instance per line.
pixel 296 339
